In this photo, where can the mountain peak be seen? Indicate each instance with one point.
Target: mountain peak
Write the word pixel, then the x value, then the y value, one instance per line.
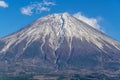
pixel 58 26
pixel 65 14
pixel 56 15
pixel 60 41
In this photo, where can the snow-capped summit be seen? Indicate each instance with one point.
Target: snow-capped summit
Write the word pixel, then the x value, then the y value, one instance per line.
pixel 63 41
pixel 59 26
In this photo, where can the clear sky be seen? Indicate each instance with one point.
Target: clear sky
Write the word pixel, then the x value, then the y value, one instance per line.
pixel 16 14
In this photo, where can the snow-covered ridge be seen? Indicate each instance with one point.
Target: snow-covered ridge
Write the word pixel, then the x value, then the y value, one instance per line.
pixel 58 26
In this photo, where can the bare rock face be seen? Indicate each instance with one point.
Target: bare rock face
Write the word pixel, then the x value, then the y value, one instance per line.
pixel 59 42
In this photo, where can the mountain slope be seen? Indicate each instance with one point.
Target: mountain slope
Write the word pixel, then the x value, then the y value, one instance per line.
pixel 60 42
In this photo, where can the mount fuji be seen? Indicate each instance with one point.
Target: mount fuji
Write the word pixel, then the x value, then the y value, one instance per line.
pixel 60 44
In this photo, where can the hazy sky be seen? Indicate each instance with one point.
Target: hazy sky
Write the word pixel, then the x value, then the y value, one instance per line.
pixel 101 14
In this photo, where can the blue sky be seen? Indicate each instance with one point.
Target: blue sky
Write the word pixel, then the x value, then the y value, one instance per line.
pixel 103 14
